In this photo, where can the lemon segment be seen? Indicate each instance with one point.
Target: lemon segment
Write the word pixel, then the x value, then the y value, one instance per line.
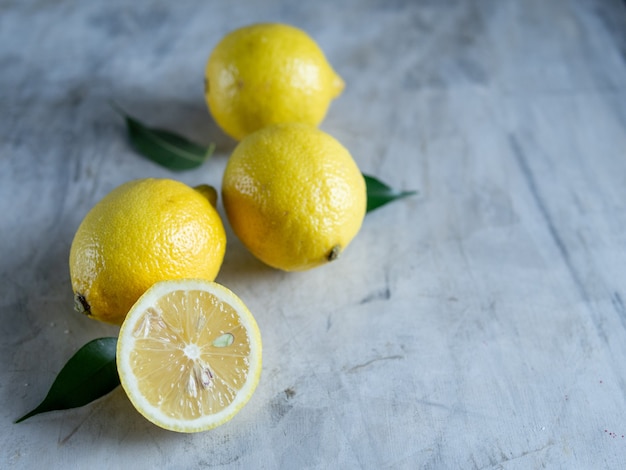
pixel 189 355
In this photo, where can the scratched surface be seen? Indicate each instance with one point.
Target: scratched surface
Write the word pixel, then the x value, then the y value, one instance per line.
pixel 481 324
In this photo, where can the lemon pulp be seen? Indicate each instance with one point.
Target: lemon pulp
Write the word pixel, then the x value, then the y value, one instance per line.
pixel 189 355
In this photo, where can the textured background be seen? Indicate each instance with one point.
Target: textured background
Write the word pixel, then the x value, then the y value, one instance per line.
pixel 481 324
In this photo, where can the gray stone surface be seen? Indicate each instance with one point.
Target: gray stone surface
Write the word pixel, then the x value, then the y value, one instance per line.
pixel 479 325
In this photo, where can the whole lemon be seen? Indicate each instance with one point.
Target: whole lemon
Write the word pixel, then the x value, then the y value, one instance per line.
pixel 142 232
pixel 268 73
pixel 293 195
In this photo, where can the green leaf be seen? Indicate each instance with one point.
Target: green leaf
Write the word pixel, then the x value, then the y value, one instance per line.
pixel 164 147
pixel 90 374
pixel 379 194
pixel 177 153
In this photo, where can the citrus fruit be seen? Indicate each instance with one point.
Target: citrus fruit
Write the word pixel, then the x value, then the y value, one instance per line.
pixel 189 355
pixel 293 195
pixel 143 231
pixel 268 73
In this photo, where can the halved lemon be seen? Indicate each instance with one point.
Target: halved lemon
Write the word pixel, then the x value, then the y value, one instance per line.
pixel 189 355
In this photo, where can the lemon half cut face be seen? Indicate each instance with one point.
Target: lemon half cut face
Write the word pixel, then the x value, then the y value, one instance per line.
pixel 189 355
